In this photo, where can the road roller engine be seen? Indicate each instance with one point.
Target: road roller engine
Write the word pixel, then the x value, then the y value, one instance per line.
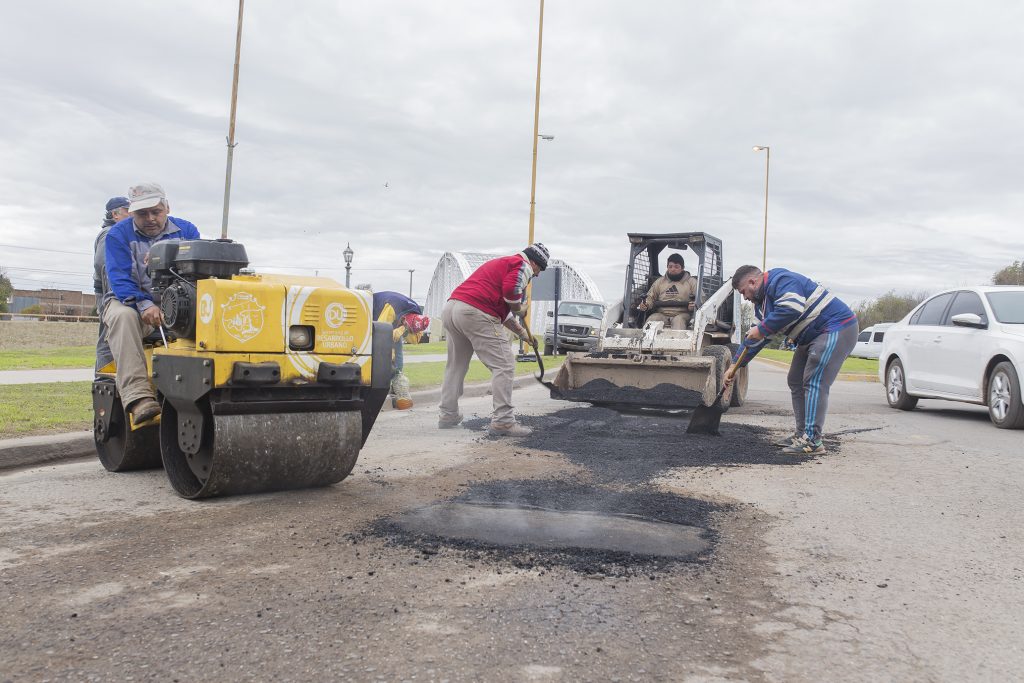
pixel 267 382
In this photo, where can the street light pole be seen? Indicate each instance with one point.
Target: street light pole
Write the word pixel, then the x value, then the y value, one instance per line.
pixel 767 165
pixel 348 254
pixel 411 271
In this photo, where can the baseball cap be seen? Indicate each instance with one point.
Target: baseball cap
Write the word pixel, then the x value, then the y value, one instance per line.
pixel 116 203
pixel 145 196
pixel 417 323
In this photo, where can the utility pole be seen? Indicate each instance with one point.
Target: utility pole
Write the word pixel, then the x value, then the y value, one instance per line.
pixel 231 124
pixel 411 271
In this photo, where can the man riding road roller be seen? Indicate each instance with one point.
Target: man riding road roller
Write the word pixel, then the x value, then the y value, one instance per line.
pixel 264 382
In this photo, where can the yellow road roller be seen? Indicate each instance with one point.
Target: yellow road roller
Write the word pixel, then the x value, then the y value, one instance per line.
pixel 267 382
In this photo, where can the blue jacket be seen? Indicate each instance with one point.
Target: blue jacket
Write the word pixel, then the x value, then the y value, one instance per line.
pixel 798 307
pixel 127 255
pixel 400 304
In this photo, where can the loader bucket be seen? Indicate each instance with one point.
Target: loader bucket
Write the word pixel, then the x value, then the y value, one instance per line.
pixel 655 381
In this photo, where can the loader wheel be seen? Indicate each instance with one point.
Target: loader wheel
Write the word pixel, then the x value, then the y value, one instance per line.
pixel 742 380
pixel 120 449
pixel 739 387
pixel 724 356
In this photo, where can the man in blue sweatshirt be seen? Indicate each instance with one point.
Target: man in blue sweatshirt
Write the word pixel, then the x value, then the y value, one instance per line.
pixel 130 308
pixel 822 327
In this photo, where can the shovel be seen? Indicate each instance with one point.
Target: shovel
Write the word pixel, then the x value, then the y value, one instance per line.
pixel 706 419
pixel 540 363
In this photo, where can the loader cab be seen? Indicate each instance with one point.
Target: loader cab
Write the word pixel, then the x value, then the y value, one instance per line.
pixel 645 250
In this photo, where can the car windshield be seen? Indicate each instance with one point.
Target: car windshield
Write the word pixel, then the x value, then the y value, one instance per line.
pixel 1007 306
pixel 581 310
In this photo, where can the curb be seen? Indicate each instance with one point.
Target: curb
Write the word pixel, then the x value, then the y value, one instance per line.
pixel 846 376
pixel 32 451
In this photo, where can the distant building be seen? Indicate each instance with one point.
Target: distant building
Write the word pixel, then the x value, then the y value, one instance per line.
pixel 53 301
pixel 456 266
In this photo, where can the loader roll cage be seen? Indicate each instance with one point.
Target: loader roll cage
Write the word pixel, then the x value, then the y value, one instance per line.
pixel 642 269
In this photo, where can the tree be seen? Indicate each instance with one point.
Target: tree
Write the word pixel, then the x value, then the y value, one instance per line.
pixel 6 289
pixel 1012 274
pixel 887 308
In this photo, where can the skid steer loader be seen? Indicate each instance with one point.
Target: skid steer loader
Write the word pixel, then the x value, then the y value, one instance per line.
pixel 267 382
pixel 643 363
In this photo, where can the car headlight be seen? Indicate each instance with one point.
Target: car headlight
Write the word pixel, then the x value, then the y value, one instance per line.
pixel 300 337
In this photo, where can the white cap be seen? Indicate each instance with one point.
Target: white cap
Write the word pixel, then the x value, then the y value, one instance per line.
pixel 145 196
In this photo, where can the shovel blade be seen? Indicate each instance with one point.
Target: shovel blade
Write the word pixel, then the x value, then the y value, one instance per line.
pixel 706 420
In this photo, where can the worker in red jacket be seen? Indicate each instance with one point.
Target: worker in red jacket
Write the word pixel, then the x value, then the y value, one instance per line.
pixel 475 319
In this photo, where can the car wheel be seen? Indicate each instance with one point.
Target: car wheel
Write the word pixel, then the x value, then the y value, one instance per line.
pixel 1004 399
pixel 896 387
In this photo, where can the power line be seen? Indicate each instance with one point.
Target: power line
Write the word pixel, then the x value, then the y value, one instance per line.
pixel 55 251
pixel 46 270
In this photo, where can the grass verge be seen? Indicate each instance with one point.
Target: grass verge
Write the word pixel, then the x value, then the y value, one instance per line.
pixel 429 375
pixel 857 366
pixel 57 357
pixel 27 409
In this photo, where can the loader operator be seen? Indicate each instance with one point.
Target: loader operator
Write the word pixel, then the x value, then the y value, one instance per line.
pixel 676 285
pixel 475 319
pixel 130 309
pixel 116 211
pixel 408 324
pixel 822 327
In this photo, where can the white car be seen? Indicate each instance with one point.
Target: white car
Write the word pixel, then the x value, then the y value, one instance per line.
pixel 964 344
pixel 869 341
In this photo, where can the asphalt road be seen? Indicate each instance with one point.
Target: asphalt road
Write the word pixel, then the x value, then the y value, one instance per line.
pixel 896 556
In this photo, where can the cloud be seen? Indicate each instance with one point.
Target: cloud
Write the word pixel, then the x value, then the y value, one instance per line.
pixel 405 128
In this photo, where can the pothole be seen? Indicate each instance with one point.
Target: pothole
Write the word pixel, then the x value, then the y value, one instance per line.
pixel 542 523
pixel 506 524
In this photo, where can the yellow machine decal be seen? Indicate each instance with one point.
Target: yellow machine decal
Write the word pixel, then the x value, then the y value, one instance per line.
pixel 242 316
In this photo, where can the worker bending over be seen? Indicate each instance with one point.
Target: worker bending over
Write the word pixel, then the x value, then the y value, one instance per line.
pixel 822 327
pixel 408 324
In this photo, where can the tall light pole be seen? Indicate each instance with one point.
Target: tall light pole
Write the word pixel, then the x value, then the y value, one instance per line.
pixel 231 124
pixel 348 254
pixel 411 271
pixel 767 164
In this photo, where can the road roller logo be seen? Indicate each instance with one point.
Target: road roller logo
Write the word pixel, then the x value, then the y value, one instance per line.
pixel 206 308
pixel 243 316
pixel 334 314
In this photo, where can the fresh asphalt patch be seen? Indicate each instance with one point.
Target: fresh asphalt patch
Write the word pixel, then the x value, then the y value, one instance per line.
pixel 640 531
pixel 610 520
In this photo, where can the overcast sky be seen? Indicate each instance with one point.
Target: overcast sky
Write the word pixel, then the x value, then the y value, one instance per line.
pixel 405 127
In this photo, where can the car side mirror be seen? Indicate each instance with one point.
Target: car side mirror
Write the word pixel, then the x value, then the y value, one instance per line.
pixel 551 314
pixel 969 320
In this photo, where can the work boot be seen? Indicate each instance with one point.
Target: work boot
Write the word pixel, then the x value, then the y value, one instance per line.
pixel 787 440
pixel 514 429
pixel 144 410
pixel 804 446
pixel 449 422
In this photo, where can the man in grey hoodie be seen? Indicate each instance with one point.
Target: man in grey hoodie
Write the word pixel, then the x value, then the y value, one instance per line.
pixel 117 210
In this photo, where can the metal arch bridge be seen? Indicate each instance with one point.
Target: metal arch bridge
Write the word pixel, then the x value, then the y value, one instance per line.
pixel 455 266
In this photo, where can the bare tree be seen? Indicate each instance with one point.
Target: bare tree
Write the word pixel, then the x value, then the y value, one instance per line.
pixel 1012 274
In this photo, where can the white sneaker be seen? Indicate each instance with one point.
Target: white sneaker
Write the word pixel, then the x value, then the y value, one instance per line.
pixel 514 429
pixel 787 440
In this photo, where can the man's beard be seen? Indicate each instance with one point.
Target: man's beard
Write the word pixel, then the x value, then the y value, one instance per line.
pixel 675 277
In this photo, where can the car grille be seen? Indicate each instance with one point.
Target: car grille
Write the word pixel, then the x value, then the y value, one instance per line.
pixel 574 329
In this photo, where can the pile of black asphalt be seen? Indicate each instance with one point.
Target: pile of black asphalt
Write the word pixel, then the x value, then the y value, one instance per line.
pixel 604 392
pixel 621 456
pixel 628 448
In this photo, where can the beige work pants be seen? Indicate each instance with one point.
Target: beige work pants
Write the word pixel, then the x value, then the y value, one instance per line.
pixel 125 331
pixel 676 322
pixel 471 330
